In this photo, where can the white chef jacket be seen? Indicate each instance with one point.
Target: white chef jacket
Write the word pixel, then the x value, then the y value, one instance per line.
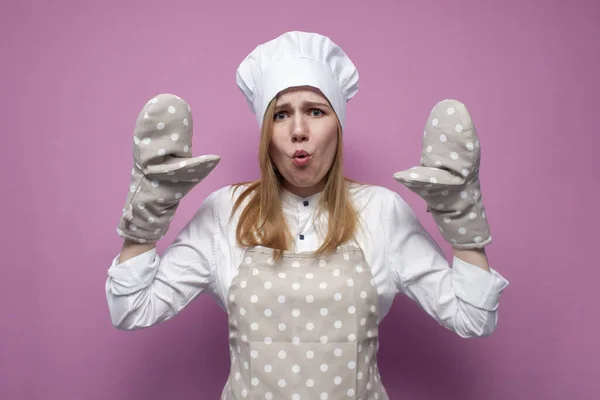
pixel 403 257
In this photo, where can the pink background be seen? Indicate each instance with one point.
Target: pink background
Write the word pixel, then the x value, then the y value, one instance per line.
pixel 75 74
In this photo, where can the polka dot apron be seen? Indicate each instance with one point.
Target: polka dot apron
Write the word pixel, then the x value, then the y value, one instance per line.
pixel 303 328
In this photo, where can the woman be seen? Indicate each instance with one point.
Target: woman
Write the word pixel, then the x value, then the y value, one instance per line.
pixel 305 261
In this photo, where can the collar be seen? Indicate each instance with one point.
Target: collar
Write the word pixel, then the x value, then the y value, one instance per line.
pixel 296 201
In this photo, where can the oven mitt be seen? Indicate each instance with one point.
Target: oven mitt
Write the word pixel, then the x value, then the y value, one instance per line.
pixel 448 177
pixel 164 170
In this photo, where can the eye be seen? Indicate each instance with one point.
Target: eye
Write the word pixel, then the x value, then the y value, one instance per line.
pixel 315 112
pixel 279 116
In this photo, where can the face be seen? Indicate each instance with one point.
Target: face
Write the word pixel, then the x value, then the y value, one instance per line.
pixel 304 139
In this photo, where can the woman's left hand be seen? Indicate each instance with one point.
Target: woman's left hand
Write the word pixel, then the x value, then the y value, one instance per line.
pixel 448 177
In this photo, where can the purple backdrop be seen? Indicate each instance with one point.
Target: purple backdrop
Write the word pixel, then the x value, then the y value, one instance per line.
pixel 75 74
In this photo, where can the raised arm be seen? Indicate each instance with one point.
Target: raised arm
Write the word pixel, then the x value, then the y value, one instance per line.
pixel 461 297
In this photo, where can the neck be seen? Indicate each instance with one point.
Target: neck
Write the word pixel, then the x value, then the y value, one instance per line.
pixel 304 191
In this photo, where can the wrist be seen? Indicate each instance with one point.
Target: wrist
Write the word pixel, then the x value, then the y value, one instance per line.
pixel 476 257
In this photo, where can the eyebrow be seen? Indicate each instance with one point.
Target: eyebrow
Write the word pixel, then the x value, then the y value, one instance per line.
pixel 306 104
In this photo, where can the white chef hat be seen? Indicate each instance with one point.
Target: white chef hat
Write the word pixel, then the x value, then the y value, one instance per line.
pixel 297 59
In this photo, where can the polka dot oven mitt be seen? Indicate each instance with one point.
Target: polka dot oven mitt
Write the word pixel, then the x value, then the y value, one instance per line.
pixel 164 170
pixel 448 178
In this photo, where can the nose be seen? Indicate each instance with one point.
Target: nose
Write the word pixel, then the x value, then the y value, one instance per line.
pixel 299 130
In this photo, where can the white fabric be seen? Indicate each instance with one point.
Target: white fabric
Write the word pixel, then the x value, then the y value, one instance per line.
pixel 297 59
pixel 403 257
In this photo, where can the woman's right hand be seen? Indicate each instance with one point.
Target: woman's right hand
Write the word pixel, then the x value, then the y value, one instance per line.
pixel 164 171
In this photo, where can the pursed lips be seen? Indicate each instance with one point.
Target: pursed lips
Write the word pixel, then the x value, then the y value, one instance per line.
pixel 300 154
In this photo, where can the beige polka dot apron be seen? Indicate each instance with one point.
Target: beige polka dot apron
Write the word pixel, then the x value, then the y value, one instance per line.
pixel 303 328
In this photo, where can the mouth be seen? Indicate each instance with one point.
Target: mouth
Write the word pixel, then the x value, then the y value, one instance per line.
pixel 300 154
pixel 301 157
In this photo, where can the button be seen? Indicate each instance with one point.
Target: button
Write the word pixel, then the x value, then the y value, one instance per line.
pixel 305 203
pixel 301 237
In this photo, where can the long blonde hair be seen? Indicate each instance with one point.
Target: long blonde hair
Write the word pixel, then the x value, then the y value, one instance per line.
pixel 262 222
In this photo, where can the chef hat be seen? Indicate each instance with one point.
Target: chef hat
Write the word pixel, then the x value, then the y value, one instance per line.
pixel 297 59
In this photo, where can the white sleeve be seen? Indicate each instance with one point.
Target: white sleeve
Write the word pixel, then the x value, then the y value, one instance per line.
pixel 463 298
pixel 148 289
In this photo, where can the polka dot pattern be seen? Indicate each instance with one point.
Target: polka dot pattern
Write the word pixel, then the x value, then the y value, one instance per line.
pixel 447 178
pixel 301 338
pixel 164 170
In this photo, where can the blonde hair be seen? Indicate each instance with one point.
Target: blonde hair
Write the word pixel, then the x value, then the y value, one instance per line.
pixel 262 222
